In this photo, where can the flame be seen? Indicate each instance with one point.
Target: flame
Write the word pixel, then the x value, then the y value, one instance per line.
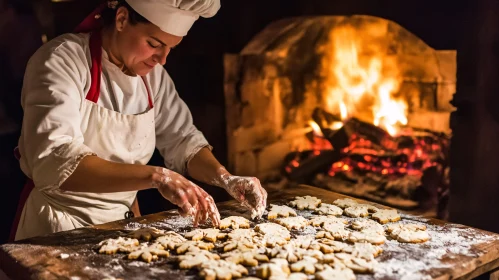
pixel 361 80
pixel 315 128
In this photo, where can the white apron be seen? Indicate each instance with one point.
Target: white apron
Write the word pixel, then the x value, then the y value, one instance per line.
pixel 112 136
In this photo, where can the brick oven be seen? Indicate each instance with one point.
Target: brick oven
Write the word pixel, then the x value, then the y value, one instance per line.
pixel 355 104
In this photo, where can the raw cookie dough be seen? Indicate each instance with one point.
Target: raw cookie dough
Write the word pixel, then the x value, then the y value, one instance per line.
pixel 276 268
pixel 408 233
pixel 273 234
pixel 305 202
pixel 147 234
pixel 170 240
pixel 149 253
pixel 386 215
pixel 120 244
pixel 193 259
pixel 329 209
pixel 367 236
pixel 345 203
pixel 239 244
pixel 356 211
pixel 322 220
pixel 338 231
pixel 234 222
pixel 357 264
pixel 280 211
pixel 307 265
pixel 368 225
pixel 293 222
pixel 220 269
pixel 194 246
pixel 335 273
pixel 247 258
pixel 208 234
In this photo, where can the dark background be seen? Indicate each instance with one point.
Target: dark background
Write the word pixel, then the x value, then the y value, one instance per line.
pixel 196 65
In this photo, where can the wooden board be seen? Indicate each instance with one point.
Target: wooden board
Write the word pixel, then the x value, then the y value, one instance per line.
pixel 476 252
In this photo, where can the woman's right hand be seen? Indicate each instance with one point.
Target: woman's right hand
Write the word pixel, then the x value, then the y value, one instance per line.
pixel 191 199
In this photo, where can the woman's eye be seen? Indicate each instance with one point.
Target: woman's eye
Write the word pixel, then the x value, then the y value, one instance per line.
pixel 153 46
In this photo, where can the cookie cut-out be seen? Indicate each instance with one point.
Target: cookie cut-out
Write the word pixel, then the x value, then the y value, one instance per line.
pixel 345 203
pixel 241 245
pixel 287 252
pixel 305 202
pixel 337 230
pixel 293 222
pixel 322 220
pixel 331 246
pixel 409 233
pixel 246 258
pixel 365 251
pixel 147 234
pixel 241 233
pixel 386 215
pixel 335 273
pixel 234 222
pixel 357 264
pixel 413 227
pixel 194 246
pixel 356 211
pixel 307 265
pixel 208 234
pixel 306 242
pixel 149 253
pixel 367 225
pixel 282 211
pixel 367 236
pixel 329 209
pixel 120 244
pixel 194 259
pixel 221 269
pixel 170 240
pixel 276 268
pixel 273 233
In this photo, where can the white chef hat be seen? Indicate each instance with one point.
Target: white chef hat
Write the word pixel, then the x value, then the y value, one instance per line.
pixel 175 16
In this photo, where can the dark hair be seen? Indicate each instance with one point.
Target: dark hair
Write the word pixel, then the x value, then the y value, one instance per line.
pixel 109 14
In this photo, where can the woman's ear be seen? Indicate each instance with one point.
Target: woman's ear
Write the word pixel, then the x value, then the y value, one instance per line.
pixel 121 18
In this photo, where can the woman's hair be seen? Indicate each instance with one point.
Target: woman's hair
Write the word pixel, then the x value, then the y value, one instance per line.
pixel 109 14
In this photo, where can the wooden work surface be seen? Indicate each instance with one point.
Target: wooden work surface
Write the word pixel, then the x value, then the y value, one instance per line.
pixel 455 251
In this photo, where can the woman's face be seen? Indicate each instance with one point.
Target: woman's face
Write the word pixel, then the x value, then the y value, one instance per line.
pixel 143 45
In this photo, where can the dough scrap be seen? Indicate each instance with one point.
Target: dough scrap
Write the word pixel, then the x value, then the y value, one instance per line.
pixel 367 236
pixel 121 244
pixel 170 240
pixel 149 253
pixel 408 233
pixel 280 211
pixel 329 209
pixel 368 225
pixel 357 211
pixel 194 246
pixel 335 273
pixel 274 269
pixel 322 220
pixel 247 258
pixel 193 259
pixel 147 234
pixel 293 222
pixel 305 202
pixel 384 216
pixel 221 269
pixel 345 203
pixel 357 264
pixel 234 222
pixel 208 234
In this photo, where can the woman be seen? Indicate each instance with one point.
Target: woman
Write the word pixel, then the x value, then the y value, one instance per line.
pixel 95 107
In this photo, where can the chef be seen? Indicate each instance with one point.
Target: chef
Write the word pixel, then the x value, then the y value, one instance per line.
pixel 96 104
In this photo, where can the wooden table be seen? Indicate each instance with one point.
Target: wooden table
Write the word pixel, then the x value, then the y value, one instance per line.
pixel 455 251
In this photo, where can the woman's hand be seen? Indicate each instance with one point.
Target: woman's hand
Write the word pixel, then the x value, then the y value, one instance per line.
pixel 246 190
pixel 191 199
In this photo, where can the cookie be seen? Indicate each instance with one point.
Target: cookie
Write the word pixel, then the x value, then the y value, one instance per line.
pixel 365 251
pixel 329 209
pixel 367 236
pixel 335 273
pixel 247 258
pixel 280 211
pixel 147 234
pixel 409 233
pixel 234 222
pixel 328 246
pixel 241 233
pixel 241 245
pixel 208 234
pixel 306 265
pixel 287 252
pixel 337 230
pixel 170 240
pixel 357 264
pixel 356 211
pixel 149 253
pixel 120 244
pixel 221 269
pixel 273 234
pixel 345 203
pixel 306 242
pixel 322 220
pixel 305 202
pixel 275 268
pixel 193 246
pixel 370 208
pixel 367 225
pixel 194 259
pixel 386 215
pixel 293 222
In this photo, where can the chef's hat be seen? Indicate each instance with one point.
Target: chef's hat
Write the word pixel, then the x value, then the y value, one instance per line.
pixel 175 16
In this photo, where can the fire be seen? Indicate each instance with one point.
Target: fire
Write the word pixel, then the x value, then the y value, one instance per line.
pixel 361 81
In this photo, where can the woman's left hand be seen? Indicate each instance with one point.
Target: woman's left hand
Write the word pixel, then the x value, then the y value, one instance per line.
pixel 246 190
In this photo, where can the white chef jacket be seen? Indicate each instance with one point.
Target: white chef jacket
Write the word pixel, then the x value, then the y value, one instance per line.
pixel 52 144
